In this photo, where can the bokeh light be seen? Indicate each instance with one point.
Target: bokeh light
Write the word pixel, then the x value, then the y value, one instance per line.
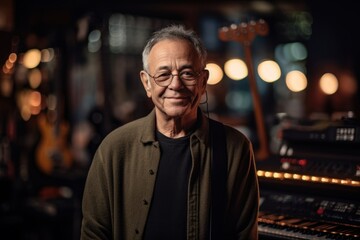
pixel 329 84
pixel 296 81
pixel 269 71
pixel 32 58
pixel 236 69
pixel 215 73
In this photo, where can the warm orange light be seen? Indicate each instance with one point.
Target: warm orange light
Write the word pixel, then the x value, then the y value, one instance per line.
pixel 34 99
pixel 269 71
pixel 329 83
pixel 296 81
pixel 12 57
pixel 35 78
pixel 32 58
pixel 236 69
pixel 300 177
pixel 215 73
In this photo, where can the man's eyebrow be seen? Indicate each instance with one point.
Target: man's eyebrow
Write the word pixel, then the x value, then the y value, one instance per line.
pixel 163 68
pixel 187 66
pixel 180 69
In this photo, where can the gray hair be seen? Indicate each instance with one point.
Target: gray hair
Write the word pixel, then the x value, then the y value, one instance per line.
pixel 175 32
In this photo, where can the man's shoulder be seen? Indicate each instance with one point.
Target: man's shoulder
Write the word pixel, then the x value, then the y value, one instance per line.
pixel 230 130
pixel 128 130
pixel 235 135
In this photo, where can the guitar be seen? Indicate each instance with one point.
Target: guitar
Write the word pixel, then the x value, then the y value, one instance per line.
pixel 53 156
pixel 245 33
pixel 52 153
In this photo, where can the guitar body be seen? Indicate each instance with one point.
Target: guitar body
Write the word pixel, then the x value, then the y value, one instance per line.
pixel 52 154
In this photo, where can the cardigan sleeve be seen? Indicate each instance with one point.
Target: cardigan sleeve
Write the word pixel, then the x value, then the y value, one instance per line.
pixel 243 189
pixel 248 221
pixel 96 223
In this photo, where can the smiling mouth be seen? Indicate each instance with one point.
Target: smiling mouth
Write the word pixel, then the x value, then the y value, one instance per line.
pixel 178 99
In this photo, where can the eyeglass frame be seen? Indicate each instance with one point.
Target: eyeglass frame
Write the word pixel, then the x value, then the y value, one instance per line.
pixel 172 77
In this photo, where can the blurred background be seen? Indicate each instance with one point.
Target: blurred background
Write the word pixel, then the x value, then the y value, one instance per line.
pixel 70 74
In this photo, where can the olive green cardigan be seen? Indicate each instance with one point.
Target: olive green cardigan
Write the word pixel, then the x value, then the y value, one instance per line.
pixel 120 182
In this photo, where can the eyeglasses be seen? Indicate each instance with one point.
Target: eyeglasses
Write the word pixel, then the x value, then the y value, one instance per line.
pixel 163 79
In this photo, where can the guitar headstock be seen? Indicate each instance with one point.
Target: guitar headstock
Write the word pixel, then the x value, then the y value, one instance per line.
pixel 244 32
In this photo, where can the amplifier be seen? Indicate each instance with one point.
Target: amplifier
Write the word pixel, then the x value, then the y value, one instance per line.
pixel 344 130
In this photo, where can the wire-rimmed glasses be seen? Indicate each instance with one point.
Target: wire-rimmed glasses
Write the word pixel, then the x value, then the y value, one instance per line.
pixel 164 79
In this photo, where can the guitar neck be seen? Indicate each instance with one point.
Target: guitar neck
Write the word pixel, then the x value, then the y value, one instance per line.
pixel 245 33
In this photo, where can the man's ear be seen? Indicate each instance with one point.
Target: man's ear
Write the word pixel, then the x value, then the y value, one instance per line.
pixel 205 78
pixel 146 82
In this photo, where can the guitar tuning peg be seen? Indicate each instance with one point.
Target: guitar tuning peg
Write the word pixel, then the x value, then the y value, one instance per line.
pixel 224 29
pixel 243 25
pixel 243 28
pixel 262 27
pixel 233 26
pixel 223 33
pixel 252 22
pixel 243 32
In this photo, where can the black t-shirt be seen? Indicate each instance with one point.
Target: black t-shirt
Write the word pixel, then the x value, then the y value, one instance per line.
pixel 168 213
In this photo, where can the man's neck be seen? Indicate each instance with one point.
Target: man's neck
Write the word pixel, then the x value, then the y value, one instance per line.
pixel 176 127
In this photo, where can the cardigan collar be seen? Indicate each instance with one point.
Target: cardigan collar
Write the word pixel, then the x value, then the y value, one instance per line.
pixel 149 128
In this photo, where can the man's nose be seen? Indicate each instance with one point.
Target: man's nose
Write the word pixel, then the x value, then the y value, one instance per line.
pixel 176 82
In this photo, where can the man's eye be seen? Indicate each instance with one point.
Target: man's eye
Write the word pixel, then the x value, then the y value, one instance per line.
pixel 164 75
pixel 188 74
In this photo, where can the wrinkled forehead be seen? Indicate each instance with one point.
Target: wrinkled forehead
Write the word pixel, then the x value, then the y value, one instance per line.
pixel 170 50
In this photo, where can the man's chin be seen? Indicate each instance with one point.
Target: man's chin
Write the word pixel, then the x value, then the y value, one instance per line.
pixel 177 111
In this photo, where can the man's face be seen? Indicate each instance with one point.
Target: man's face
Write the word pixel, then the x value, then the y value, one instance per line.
pixel 176 100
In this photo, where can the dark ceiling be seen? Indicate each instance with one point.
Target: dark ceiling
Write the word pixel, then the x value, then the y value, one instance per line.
pixel 333 30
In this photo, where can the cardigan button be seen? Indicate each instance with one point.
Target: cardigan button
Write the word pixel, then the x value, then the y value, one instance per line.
pixel 145 202
pixel 151 172
pixel 137 231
